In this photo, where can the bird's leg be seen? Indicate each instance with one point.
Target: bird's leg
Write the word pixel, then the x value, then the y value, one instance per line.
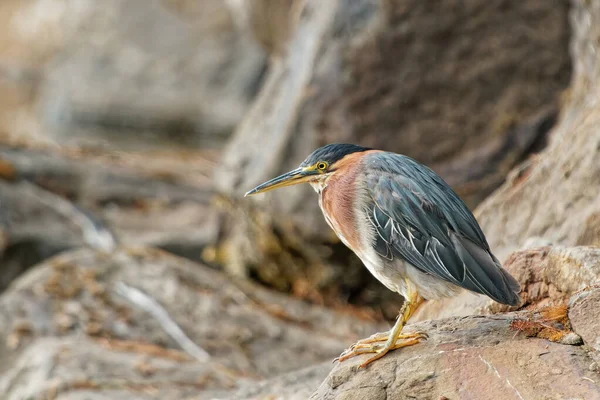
pixel 405 313
pixel 391 338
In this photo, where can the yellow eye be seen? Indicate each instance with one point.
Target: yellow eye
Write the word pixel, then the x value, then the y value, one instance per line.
pixel 321 165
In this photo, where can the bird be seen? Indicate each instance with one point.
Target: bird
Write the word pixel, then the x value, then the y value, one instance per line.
pixel 409 228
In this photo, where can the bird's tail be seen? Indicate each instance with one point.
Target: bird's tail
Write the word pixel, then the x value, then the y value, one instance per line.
pixel 486 274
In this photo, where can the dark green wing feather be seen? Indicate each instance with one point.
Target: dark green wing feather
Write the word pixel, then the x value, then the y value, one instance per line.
pixel 420 219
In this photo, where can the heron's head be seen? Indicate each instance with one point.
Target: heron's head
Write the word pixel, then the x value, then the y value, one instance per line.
pixel 317 167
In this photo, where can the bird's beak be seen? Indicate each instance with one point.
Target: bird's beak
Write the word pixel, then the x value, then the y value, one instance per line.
pixel 294 177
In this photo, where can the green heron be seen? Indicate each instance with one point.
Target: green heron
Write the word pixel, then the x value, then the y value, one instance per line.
pixel 409 228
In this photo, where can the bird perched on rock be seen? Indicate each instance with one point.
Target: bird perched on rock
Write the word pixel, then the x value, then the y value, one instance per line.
pixel 409 228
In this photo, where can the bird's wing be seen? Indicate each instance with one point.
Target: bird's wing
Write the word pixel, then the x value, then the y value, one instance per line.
pixel 420 219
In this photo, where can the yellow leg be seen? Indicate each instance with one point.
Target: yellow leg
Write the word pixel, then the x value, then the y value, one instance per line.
pixel 371 345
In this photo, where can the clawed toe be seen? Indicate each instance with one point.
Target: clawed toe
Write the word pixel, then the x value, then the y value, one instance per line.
pixel 383 350
pixel 378 337
pixel 378 344
pixel 420 335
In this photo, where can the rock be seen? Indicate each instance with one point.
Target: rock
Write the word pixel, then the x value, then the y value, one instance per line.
pixel 470 357
pixel 555 195
pixel 584 314
pixel 88 335
pixel 53 201
pixel 341 81
pixel 68 332
pixel 296 385
pixel 129 74
pixel 71 368
pixel 31 231
pixel 548 276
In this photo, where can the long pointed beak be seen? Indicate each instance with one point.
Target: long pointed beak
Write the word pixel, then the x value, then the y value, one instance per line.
pixel 294 177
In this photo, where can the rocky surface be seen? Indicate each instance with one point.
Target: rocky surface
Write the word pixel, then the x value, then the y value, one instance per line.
pixel 555 195
pixel 55 201
pixel 297 385
pixel 508 355
pixel 548 276
pixel 553 198
pixel 584 315
pixel 470 358
pixel 72 327
pixel 129 74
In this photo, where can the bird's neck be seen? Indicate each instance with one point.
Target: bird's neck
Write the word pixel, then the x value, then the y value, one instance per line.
pixel 319 184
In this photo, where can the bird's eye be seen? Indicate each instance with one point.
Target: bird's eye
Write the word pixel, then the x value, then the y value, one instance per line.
pixel 321 166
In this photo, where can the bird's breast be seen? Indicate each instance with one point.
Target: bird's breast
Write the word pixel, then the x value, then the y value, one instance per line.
pixel 338 201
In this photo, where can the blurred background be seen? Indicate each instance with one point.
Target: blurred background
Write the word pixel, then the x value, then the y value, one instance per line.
pixel 130 129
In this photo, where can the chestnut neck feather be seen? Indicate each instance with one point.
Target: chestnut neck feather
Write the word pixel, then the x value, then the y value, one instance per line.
pixel 338 199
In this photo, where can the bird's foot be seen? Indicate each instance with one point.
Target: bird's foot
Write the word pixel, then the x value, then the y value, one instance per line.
pixel 372 345
pixel 384 336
